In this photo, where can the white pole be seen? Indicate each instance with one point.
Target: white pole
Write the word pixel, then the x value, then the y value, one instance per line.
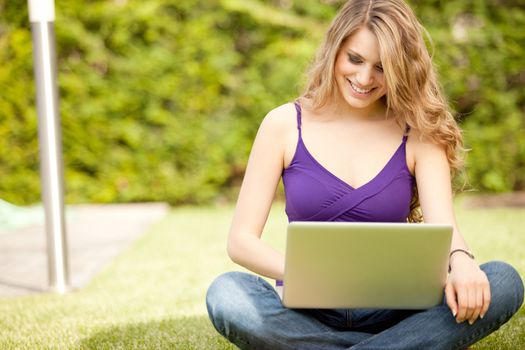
pixel 42 18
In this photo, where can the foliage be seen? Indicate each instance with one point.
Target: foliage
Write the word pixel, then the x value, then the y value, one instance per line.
pixel 160 100
pixel 481 57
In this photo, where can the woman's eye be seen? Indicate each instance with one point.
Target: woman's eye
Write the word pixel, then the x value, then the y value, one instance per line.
pixel 379 68
pixel 354 59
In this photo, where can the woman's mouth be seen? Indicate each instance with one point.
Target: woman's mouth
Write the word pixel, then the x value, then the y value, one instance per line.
pixel 359 90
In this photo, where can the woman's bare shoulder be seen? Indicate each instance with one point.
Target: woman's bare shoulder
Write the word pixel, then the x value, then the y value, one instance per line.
pixel 280 118
pixel 279 128
pixel 423 145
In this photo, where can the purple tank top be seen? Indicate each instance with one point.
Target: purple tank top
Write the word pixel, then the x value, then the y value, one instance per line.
pixel 315 194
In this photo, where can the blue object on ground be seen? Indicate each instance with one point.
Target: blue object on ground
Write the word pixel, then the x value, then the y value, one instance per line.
pixel 12 216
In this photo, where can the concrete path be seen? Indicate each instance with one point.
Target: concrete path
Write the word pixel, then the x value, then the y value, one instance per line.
pixel 95 233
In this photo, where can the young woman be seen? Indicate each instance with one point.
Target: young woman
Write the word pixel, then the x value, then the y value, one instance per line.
pixel 372 124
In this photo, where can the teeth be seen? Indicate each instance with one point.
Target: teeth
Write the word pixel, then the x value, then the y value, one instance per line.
pixel 361 91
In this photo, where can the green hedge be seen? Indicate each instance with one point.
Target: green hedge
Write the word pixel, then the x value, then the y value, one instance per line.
pixel 160 99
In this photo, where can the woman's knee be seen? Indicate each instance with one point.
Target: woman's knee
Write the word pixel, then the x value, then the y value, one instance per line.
pixel 506 286
pixel 229 301
pixel 220 285
pixel 222 290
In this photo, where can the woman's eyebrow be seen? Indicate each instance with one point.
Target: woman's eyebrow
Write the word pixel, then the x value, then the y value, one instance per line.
pixel 352 52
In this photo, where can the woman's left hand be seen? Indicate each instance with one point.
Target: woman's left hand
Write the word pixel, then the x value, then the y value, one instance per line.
pixel 467 289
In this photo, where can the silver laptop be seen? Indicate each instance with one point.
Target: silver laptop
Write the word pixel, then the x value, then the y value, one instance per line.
pixel 365 265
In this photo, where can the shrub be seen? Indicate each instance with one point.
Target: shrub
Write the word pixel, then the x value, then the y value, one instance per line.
pixel 160 100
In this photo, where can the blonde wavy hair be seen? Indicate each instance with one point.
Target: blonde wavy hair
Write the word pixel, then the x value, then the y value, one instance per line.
pixel 413 93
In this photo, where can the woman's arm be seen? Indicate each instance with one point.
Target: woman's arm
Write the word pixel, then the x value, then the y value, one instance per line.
pixel 262 176
pixel 467 289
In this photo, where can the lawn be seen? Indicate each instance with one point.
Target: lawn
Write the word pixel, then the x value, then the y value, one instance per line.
pixel 152 295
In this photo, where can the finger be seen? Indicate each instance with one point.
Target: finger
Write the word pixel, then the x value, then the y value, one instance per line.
pixel 486 300
pixel 451 299
pixel 478 304
pixel 471 292
pixel 462 295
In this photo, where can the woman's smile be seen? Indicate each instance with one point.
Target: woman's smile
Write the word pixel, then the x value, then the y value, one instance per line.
pixel 359 92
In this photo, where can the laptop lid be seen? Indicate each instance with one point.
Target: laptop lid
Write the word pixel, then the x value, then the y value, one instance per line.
pixel 365 265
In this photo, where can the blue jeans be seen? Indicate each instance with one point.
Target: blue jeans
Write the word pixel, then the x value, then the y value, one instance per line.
pixel 246 310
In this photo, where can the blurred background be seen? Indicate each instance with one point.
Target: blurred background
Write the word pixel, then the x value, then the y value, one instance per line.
pixel 160 99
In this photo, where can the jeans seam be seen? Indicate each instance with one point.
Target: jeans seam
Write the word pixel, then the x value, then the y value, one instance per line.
pixel 348 318
pixel 493 326
pixel 490 327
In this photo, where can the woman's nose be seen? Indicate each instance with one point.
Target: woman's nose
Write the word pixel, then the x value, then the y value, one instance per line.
pixel 365 77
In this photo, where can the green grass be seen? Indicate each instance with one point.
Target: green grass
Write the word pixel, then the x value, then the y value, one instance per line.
pixel 152 295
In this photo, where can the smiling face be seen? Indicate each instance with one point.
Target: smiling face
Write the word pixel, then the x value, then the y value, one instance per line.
pixel 358 71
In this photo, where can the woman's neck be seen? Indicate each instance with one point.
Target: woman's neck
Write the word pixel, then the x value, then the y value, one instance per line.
pixel 340 109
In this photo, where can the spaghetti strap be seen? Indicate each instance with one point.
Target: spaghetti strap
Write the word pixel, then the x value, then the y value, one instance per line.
pixel 298 109
pixel 405 136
